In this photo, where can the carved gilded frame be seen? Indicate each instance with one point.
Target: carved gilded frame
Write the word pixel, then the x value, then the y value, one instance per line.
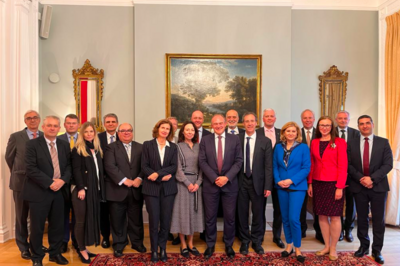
pixel 88 72
pixel 256 62
pixel 332 91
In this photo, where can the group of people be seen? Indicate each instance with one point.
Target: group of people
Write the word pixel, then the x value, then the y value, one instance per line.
pixel 101 181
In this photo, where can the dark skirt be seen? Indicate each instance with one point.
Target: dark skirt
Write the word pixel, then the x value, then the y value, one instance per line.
pixel 324 199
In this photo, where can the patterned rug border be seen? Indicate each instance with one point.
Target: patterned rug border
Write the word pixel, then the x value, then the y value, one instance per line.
pixel 346 258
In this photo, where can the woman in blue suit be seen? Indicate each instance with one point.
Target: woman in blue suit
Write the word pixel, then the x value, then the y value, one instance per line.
pixel 291 167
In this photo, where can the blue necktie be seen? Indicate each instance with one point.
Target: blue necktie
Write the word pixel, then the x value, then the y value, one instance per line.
pixel 111 139
pixel 233 132
pixel 248 170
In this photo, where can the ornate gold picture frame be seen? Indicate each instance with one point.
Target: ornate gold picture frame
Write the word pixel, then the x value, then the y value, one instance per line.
pixel 213 84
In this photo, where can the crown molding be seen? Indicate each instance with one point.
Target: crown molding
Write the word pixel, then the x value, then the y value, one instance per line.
pixel 295 4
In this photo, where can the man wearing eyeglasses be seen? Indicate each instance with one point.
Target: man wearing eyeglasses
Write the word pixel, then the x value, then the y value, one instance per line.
pixel 107 137
pixel 15 158
pixel 122 162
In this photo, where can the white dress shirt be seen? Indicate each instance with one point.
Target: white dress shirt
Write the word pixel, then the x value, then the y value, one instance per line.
pixel 109 137
pixel 346 133
pixel 162 150
pixel 252 145
pixel 223 144
pixel 48 144
pixel 270 133
pixel 236 129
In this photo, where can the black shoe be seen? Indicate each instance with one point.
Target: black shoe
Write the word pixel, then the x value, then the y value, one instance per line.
pixel 91 255
pixel 64 247
pixel 185 252
pixel 163 255
pixel 37 263
pixel 59 259
pixel 300 258
pixel 278 242
pixel 176 241
pixel 341 237
pixel 83 260
pixel 105 243
pixel 26 255
pixel 378 257
pixel 320 238
pixel 230 252
pixel 209 252
pixel 257 248
pixel 303 234
pixel 141 248
pixel 286 254
pixel 244 248
pixel 349 236
pixel 361 252
pixel 154 256
pixel 45 250
pixel 194 251
pixel 170 237
pixel 203 236
pixel 118 253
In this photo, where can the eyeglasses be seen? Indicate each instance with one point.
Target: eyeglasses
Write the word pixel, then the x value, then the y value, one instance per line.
pixel 325 126
pixel 32 118
pixel 125 131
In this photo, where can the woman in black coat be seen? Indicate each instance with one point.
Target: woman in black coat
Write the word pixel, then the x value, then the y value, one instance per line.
pixel 159 164
pixel 87 189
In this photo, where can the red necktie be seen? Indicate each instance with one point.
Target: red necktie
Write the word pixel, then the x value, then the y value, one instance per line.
pixel 366 157
pixel 34 135
pixel 219 157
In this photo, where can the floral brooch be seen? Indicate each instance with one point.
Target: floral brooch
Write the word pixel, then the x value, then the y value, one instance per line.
pixel 333 145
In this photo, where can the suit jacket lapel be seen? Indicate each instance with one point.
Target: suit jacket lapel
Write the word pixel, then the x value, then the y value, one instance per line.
pixel 122 149
pixel 166 152
pixel 46 151
pixel 156 153
pixel 373 152
pixel 358 153
pixel 24 135
pixel 60 152
pixel 214 149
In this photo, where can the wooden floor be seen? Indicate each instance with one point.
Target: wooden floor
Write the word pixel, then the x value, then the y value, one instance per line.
pixel 10 255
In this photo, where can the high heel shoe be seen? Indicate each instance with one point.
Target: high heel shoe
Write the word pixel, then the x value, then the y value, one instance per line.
pixel 85 261
pixel 320 253
pixel 300 258
pixel 91 255
pixel 286 254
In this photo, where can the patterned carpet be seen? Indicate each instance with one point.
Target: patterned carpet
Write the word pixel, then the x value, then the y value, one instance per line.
pixel 271 258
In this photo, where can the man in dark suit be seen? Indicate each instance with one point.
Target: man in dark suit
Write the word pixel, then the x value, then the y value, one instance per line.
pixel 255 184
pixel 198 120
pixel 370 160
pixel 122 162
pixel 308 134
pixel 273 133
pixel 48 169
pixel 220 159
pixel 348 134
pixel 15 158
pixel 232 119
pixel 71 124
pixel 107 137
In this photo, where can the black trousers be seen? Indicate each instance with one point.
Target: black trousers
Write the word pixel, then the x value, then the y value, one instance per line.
pixel 160 213
pixel 80 219
pixel 303 215
pixel 52 208
pixel 350 213
pixel 366 199
pixel 246 195
pixel 69 227
pixel 211 203
pixel 126 219
pixel 277 223
pixel 21 221
pixel 104 220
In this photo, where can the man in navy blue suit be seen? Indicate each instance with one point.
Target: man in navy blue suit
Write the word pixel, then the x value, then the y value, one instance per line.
pixel 220 159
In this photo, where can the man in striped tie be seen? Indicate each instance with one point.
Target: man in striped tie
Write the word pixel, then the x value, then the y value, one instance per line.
pixel 15 158
pixel 48 169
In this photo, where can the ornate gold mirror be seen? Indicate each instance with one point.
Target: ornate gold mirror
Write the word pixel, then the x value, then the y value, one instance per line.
pixel 88 91
pixel 332 91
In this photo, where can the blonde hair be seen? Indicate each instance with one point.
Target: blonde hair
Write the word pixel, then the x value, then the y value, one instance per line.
pixel 286 126
pixel 80 142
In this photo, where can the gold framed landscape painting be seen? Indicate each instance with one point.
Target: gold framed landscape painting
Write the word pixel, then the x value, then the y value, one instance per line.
pixel 213 84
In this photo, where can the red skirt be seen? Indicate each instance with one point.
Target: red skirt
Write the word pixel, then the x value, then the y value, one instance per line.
pixel 324 199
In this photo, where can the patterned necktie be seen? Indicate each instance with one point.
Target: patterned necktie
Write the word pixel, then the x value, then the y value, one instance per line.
pixel 111 139
pixel 54 159
pixel 233 132
pixel 308 138
pixel 366 157
pixel 219 156
pixel 71 142
pixel 128 151
pixel 343 136
pixel 34 135
pixel 248 169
